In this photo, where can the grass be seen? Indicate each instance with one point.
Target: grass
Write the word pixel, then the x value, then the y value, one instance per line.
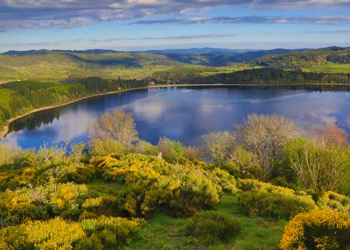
pixel 330 68
pixel 234 67
pixel 103 188
pixel 164 232
pixel 58 66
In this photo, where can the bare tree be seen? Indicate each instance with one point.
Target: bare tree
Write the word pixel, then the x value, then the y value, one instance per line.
pixel 118 126
pixel 264 136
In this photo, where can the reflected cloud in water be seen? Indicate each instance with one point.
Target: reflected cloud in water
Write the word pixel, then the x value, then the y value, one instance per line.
pixel 183 113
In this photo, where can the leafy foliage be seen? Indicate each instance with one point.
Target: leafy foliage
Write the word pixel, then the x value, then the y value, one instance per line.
pixel 212 227
pixel 264 199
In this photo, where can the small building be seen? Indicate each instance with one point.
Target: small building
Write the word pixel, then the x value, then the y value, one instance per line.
pixel 151 82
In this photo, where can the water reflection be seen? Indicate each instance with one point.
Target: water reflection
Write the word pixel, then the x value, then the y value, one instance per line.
pixel 185 113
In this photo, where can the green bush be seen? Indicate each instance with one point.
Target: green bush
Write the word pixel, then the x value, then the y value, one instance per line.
pixel 76 172
pixel 267 200
pixel 111 232
pixel 242 163
pixel 143 147
pixel 334 201
pixel 212 227
pixel 172 151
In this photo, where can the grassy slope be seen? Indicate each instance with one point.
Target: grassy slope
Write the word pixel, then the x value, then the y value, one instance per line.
pixel 56 66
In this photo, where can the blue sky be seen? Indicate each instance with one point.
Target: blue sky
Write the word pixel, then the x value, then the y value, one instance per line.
pixel 159 24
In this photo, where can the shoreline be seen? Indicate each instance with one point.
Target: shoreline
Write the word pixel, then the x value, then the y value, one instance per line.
pixel 5 129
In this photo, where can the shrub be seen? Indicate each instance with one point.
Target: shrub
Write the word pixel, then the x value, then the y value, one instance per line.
pixel 105 147
pixel 172 151
pixel 103 205
pixel 212 227
pixel 41 202
pixel 45 235
pixel 192 153
pixel 318 229
pixel 143 147
pixel 9 154
pixel 218 146
pixel 242 163
pixel 151 184
pixel 112 232
pixel 318 167
pixel 264 199
pixel 334 201
pixel 75 172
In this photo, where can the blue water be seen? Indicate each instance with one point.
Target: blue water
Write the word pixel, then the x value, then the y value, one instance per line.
pixel 183 114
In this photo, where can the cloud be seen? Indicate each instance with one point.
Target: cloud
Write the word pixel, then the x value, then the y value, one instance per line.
pixel 327 31
pixel 250 19
pixel 183 37
pixel 74 13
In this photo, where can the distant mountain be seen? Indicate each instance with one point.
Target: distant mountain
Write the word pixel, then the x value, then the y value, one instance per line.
pixel 29 52
pixel 217 59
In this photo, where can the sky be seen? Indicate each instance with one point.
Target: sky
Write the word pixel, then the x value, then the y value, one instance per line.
pixel 163 24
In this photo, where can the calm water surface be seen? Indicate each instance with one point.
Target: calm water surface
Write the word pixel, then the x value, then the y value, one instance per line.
pixel 183 113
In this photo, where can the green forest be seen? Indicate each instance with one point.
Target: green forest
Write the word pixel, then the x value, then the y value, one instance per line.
pixel 263 185
pixel 18 98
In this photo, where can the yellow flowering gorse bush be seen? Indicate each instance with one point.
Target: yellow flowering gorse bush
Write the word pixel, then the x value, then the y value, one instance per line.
pixel 324 229
pixel 41 235
pixel 150 184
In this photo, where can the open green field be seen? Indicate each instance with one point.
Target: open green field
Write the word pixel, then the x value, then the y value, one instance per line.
pixel 329 68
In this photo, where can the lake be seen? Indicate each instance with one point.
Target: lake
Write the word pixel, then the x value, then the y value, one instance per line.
pixel 183 114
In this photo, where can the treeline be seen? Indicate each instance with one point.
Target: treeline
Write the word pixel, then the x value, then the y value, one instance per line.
pixel 17 98
pixel 272 76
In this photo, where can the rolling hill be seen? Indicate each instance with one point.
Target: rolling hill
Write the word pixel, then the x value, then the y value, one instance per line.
pixel 328 60
pixel 63 65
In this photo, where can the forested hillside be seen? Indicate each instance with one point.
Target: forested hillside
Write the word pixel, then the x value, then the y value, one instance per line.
pixel 272 76
pixel 333 59
pixel 18 98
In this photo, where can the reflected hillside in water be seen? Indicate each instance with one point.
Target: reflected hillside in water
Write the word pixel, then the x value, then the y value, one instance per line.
pixel 185 113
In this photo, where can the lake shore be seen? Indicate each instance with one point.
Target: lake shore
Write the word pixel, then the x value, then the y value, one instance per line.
pixel 5 129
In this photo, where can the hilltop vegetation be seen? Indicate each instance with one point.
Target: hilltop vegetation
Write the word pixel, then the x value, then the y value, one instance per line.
pixel 238 190
pixel 328 60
